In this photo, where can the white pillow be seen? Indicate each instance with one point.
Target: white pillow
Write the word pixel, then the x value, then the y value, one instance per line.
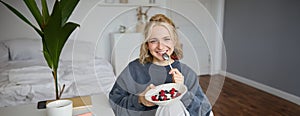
pixel 78 50
pixel 3 53
pixel 24 49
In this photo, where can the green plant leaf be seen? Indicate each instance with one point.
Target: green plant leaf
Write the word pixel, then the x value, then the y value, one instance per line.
pixel 16 12
pixel 48 59
pixel 66 31
pixel 46 54
pixel 52 34
pixel 67 8
pixel 32 6
pixel 55 31
pixel 45 13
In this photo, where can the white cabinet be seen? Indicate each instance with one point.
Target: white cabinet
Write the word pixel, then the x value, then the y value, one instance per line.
pixel 106 18
pixel 125 48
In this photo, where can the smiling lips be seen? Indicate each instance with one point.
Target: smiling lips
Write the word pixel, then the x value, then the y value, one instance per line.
pixel 161 52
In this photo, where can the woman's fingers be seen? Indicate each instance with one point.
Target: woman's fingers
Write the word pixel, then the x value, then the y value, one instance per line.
pixel 177 76
pixel 148 104
pixel 178 79
pixel 142 98
pixel 151 86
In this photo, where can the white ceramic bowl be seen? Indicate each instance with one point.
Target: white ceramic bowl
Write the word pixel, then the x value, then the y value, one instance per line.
pixel 180 87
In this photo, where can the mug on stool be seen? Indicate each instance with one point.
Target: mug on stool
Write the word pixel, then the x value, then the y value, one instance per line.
pixel 60 108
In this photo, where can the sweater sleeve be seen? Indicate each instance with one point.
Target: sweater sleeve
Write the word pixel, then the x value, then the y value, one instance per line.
pixel 195 100
pixel 124 98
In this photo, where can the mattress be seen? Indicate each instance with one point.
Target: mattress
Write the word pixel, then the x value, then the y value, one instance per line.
pixel 30 81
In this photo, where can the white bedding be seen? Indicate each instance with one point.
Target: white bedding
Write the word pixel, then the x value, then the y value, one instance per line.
pixel 30 75
pixel 30 81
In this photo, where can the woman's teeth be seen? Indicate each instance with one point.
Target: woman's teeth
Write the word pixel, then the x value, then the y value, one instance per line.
pixel 162 52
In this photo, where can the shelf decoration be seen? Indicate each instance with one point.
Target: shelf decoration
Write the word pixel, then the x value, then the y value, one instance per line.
pixel 142 19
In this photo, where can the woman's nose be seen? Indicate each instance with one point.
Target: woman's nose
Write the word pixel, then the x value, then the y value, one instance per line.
pixel 160 45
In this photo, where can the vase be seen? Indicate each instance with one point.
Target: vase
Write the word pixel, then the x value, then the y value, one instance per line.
pixel 122 29
pixel 140 26
pixel 60 108
pixel 123 1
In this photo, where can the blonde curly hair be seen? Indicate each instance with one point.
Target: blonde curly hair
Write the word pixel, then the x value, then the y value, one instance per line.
pixel 159 20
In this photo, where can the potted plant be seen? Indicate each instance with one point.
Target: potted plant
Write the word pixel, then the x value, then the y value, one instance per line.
pixel 53 29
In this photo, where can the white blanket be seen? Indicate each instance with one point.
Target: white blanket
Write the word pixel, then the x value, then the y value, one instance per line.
pixel 30 75
pixel 26 81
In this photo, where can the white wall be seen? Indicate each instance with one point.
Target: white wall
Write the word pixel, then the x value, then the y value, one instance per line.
pixel 99 21
pixel 201 21
pixel 105 23
pixel 266 49
pixel 96 21
pixel 11 26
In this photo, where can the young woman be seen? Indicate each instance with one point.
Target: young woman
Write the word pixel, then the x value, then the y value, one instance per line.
pixel 150 69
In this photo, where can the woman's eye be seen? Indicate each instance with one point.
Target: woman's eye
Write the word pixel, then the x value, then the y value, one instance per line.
pixel 167 39
pixel 153 41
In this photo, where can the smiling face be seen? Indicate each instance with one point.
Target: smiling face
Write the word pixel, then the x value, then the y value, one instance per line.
pixel 160 37
pixel 160 42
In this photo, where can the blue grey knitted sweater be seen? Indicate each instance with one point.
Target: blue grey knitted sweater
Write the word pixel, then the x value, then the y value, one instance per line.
pixel 136 77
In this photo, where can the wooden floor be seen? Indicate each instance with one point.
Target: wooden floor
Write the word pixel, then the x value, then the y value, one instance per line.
pixel 238 99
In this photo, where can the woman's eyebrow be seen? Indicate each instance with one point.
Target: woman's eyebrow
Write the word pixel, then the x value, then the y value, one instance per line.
pixel 153 38
pixel 167 37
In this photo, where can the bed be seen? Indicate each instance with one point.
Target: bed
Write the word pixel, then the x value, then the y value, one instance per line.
pixel 25 77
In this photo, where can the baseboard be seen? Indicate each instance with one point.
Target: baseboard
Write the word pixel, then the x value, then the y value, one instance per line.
pixel 268 89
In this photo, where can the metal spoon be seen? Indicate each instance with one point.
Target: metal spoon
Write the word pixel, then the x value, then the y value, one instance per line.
pixel 167 57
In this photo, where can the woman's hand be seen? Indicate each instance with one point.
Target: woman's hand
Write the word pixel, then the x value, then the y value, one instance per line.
pixel 177 76
pixel 142 98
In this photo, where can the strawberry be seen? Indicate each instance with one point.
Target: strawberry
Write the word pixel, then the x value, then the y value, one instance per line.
pixel 154 98
pixel 164 95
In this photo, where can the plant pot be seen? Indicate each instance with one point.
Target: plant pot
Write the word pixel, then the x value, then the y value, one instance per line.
pixel 60 108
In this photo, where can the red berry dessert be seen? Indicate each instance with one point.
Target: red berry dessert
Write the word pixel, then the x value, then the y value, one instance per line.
pixel 164 95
